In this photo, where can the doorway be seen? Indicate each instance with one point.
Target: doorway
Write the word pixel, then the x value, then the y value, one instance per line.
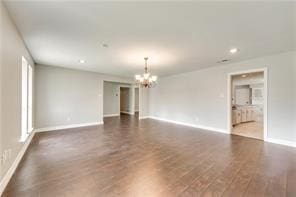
pixel 248 104
pixel 125 98
pixel 120 99
pixel 136 105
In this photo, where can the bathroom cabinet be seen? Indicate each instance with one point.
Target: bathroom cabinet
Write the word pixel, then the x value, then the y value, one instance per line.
pixel 243 114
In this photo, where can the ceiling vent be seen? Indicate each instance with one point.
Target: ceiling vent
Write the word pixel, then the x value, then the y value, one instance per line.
pixel 223 61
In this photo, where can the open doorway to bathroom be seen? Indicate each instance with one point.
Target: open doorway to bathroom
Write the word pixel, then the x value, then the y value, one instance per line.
pixel 248 92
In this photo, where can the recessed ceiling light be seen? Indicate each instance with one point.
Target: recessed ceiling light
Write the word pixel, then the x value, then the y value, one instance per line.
pixel 234 50
pixel 81 61
pixel 244 76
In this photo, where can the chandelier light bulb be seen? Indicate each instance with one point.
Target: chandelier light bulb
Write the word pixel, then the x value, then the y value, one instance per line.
pixel 146 75
pixel 137 77
pixel 154 78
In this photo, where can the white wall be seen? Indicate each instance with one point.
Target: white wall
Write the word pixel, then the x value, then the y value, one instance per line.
pixel 67 96
pixel 111 98
pixel 294 87
pixel 1 65
pixel 1 51
pixel 144 102
pixel 12 50
pixel 200 97
pixel 136 99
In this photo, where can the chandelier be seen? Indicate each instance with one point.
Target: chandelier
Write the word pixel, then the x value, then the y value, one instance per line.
pixel 146 80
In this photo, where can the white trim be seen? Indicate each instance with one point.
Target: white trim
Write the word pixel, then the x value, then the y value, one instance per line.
pixel 191 125
pixel 24 137
pixel 67 126
pixel 270 140
pixel 5 180
pixel 32 129
pixel 111 115
pixel 281 142
pixel 126 112
pixel 125 86
pixel 229 103
pixel 143 117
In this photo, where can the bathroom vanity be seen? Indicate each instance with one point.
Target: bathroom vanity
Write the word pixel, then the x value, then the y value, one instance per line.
pixel 241 114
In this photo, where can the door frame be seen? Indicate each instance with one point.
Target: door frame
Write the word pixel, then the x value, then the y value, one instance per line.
pixel 265 92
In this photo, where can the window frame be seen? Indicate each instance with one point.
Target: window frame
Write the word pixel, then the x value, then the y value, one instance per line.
pixel 26 99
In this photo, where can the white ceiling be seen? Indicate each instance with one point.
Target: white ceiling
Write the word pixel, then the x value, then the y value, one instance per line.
pixel 177 37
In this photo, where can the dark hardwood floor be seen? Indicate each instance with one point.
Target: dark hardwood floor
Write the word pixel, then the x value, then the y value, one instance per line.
pixel 127 157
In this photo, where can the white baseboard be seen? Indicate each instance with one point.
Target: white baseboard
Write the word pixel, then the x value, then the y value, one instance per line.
pixel 111 115
pixel 271 140
pixel 191 125
pixel 67 126
pixel 11 170
pixel 281 142
pixel 143 117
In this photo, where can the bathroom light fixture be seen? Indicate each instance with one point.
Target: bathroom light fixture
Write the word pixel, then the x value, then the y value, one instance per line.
pixel 81 61
pixel 146 80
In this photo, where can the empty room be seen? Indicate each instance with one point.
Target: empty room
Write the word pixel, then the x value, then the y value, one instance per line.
pixel 154 99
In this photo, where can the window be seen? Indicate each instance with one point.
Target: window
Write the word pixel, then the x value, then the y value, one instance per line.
pixel 30 99
pixel 27 99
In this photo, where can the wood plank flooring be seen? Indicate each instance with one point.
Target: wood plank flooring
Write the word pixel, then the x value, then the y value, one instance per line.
pixel 249 129
pixel 127 157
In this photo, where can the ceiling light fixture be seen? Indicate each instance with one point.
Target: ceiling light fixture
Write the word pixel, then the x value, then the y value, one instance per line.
pixel 105 45
pixel 81 61
pixel 244 76
pixel 146 80
pixel 234 50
